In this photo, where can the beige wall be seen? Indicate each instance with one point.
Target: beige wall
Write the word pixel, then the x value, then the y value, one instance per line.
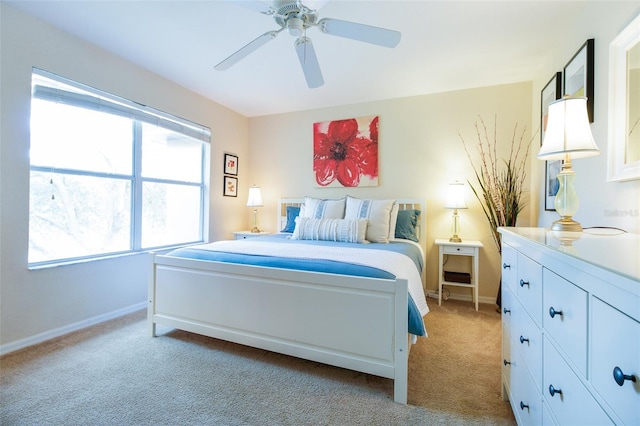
pixel 40 304
pixel 420 153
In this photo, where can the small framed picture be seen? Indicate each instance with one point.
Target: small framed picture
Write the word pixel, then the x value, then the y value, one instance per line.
pixel 551 92
pixel 551 184
pixel 231 164
pixel 578 75
pixel 230 186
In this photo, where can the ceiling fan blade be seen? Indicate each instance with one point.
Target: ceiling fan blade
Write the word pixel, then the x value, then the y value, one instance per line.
pixel 360 32
pixel 254 5
pixel 309 62
pixel 246 50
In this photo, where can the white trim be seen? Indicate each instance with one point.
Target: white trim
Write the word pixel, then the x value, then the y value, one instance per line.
pixel 52 334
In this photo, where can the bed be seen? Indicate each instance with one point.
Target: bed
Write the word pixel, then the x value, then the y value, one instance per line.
pixel 357 317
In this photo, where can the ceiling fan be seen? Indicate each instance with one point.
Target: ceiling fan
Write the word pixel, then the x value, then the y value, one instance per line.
pixel 293 16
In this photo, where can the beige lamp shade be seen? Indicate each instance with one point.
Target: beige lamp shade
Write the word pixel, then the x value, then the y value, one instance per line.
pixel 255 197
pixel 568 131
pixel 455 196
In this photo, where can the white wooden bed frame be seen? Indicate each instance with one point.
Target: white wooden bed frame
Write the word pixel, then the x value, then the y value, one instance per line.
pixel 351 322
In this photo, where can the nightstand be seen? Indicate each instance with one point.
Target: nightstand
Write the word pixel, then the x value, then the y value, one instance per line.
pixel 243 235
pixel 469 280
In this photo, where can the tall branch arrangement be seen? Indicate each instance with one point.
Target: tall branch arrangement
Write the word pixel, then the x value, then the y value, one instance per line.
pixel 500 187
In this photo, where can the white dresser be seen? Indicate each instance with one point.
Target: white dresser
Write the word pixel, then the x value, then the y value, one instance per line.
pixel 571 327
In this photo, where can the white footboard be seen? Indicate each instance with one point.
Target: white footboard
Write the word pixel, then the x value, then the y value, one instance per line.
pixel 346 321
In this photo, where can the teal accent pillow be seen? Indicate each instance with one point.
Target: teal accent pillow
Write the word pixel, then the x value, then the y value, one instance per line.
pixel 292 214
pixel 407 224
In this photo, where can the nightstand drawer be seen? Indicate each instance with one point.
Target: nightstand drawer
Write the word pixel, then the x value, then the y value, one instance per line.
pixel 468 251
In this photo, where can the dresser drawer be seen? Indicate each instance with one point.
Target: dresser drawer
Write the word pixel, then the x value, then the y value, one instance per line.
pixel 568 399
pixel 467 251
pixel 506 358
pixel 526 338
pixel 525 397
pixel 508 304
pixel 564 317
pixel 615 344
pixel 509 268
pixel 529 286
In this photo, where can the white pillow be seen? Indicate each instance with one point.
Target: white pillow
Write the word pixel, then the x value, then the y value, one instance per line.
pixel 378 212
pixel 318 208
pixel 393 221
pixel 342 230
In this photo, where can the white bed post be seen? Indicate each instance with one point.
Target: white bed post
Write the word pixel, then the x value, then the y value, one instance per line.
pixel 401 361
pixel 151 295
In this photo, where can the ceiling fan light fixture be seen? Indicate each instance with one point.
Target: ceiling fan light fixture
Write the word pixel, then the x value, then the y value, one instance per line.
pixel 295 26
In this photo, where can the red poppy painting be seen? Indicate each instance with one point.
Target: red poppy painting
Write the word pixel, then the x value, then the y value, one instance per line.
pixel 345 152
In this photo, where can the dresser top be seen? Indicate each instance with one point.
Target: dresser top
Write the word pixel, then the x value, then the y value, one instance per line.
pixel 615 251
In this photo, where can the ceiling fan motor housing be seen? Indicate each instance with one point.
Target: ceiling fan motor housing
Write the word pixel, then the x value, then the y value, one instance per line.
pixel 294 16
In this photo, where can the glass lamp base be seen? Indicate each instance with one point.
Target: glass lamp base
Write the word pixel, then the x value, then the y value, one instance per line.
pixel 455 239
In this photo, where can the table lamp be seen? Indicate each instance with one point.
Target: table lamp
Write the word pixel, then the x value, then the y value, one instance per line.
pixel 255 201
pixel 568 136
pixel 455 201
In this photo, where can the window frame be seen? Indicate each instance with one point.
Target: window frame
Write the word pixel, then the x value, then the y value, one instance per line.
pixel 82 96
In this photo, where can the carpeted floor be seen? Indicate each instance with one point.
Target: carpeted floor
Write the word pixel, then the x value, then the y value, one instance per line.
pixel 115 374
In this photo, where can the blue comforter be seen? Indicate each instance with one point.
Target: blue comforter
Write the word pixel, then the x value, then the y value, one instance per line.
pixel 416 323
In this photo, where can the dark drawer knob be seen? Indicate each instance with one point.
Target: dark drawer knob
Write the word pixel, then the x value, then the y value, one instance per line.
pixel 523 283
pixel 506 362
pixel 522 340
pixel 505 310
pixel 554 391
pixel 620 377
pixel 553 312
pixel 505 266
pixel 523 406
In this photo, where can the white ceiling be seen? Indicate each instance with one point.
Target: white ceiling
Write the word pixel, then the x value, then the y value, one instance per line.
pixel 446 45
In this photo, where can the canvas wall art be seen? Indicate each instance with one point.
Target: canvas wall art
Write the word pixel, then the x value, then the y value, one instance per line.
pixel 345 152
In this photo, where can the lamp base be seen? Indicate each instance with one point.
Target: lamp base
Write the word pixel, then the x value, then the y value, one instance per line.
pixel 566 224
pixel 455 239
pixel 255 230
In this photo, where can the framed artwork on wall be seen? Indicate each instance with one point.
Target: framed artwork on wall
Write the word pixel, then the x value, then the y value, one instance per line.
pixel 345 152
pixel 551 184
pixel 231 164
pixel 551 92
pixel 230 186
pixel 578 75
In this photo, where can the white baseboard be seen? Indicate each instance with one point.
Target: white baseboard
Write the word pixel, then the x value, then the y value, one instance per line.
pixel 464 297
pixel 52 334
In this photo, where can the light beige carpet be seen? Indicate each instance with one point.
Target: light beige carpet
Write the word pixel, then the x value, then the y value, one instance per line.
pixel 115 374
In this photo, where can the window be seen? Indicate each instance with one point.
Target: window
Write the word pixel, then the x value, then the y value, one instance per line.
pixel 109 176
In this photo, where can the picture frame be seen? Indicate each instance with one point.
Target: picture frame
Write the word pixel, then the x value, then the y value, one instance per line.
pixel 551 92
pixel 230 188
pixel 579 75
pixel 231 164
pixel 551 184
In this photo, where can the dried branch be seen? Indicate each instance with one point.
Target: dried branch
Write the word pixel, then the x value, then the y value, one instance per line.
pixel 500 183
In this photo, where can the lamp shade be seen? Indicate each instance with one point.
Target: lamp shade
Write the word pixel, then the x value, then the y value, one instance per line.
pixel 568 131
pixel 455 196
pixel 255 197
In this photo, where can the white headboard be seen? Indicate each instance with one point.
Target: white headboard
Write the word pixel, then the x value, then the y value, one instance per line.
pixel 403 204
